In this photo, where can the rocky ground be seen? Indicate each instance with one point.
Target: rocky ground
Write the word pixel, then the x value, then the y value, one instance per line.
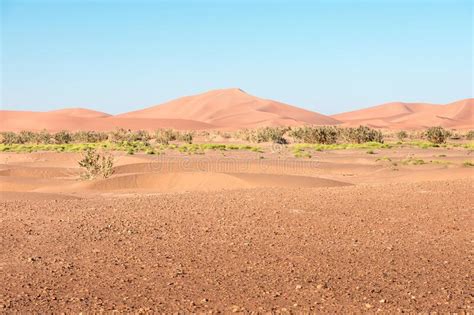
pixel 390 247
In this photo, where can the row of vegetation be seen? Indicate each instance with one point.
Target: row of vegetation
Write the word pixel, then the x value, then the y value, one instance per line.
pixel 161 136
pixel 307 138
pixel 280 135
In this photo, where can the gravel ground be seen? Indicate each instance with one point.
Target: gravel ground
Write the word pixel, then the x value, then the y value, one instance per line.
pixel 390 247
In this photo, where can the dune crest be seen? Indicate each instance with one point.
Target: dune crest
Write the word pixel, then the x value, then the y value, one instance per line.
pixel 400 115
pixel 232 109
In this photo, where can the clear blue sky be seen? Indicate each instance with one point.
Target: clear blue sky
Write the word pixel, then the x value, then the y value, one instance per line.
pixel 327 56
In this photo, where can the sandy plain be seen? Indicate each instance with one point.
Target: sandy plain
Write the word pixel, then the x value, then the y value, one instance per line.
pixel 344 231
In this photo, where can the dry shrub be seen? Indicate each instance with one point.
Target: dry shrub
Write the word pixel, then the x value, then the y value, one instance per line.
pixel 89 136
pixel 164 136
pixel 62 137
pixel 315 134
pixel 470 135
pixel 362 134
pixel 437 134
pixel 186 136
pixel 402 135
pixel 96 164
pixel 266 134
pixel 8 137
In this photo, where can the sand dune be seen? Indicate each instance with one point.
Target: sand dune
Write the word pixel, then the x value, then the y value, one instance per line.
pixel 233 108
pixel 80 112
pixel 63 120
pixel 399 115
pixel 224 109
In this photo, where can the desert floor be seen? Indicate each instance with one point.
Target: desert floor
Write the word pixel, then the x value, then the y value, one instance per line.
pixel 344 231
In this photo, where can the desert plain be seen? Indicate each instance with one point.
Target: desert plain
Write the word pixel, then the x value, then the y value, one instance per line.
pixel 239 226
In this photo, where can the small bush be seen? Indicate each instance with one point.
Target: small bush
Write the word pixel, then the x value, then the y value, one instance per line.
pixel 315 135
pixel 470 135
pixel 413 161
pixel 44 137
pixel 62 137
pixel 27 137
pixel 8 137
pixel 362 134
pixel 164 136
pixel 402 135
pixel 468 164
pixel 266 134
pixel 437 135
pixel 96 164
pixel 118 136
pixel 89 136
pixel 186 137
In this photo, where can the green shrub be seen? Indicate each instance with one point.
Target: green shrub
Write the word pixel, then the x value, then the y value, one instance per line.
pixel 96 164
pixel 437 134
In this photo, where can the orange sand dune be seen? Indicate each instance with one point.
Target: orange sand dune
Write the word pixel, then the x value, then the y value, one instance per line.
pixel 80 112
pixel 63 120
pixel 399 115
pixel 233 108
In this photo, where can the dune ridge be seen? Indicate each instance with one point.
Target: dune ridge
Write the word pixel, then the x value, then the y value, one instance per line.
pixel 399 115
pixel 232 109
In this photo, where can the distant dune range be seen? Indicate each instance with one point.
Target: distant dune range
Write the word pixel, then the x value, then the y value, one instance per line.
pixel 231 109
pixel 398 115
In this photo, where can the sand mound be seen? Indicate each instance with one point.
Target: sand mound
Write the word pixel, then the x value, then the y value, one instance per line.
pixel 18 183
pixel 205 181
pixel 413 115
pixel 40 172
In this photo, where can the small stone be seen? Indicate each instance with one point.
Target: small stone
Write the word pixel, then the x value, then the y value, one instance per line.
pixel 382 301
pixel 235 309
pixel 367 305
pixel 298 287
